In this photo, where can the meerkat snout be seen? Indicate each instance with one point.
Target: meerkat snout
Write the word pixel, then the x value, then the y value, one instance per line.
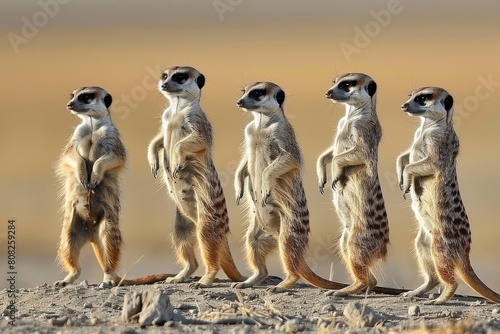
pixel 239 103
pixel 404 107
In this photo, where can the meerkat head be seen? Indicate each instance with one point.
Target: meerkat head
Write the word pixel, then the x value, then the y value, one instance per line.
pixel 430 102
pixel 262 97
pixel 90 101
pixel 181 81
pixel 354 89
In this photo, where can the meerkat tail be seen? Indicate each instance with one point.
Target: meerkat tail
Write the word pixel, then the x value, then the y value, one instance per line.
pixel 467 274
pixel 227 264
pixel 142 280
pixel 312 278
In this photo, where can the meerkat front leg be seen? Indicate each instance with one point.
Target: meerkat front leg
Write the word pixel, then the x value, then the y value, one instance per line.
pixel 154 148
pixel 74 162
pixel 421 168
pixel 192 144
pixel 281 165
pixel 350 158
pixel 324 159
pixel 239 180
pixel 402 161
pixel 101 166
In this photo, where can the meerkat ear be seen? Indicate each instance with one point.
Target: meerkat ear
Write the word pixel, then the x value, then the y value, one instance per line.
pixel 280 97
pixel 107 100
pixel 448 103
pixel 372 88
pixel 200 81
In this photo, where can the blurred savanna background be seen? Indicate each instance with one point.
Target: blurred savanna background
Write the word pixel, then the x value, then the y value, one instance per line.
pixel 50 47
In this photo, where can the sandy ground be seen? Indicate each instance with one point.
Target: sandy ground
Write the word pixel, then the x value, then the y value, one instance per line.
pixel 88 308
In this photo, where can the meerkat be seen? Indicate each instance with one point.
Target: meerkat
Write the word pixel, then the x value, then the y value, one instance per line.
pixel 90 167
pixel 357 195
pixel 185 144
pixel 271 168
pixel 428 172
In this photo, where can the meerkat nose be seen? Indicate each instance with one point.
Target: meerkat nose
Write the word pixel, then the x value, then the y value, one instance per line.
pixel 404 107
pixel 164 86
pixel 329 94
pixel 70 105
pixel 239 103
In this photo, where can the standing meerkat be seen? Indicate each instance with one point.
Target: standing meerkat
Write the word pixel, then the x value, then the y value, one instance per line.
pixel 357 195
pixel 428 171
pixel 185 142
pixel 271 165
pixel 90 167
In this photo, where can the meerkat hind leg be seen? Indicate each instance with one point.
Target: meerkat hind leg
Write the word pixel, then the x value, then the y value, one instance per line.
pixel 106 244
pixel 426 265
pixel 291 260
pixel 258 245
pixel 184 240
pixel 73 238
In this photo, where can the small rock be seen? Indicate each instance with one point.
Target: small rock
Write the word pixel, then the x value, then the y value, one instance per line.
pixel 52 304
pixel 84 284
pixel 87 305
pixel 414 310
pixel 495 311
pixel 253 296
pixel 169 324
pixel 59 321
pixel 107 304
pixel 433 296
pixel 291 326
pixel 83 317
pixel 361 315
pixel 93 321
pixel 328 308
pixel 105 285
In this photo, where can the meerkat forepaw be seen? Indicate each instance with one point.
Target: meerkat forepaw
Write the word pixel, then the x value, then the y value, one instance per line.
pixel 176 171
pixel 61 284
pixel 334 184
pixel 265 198
pixel 154 169
pixel 321 186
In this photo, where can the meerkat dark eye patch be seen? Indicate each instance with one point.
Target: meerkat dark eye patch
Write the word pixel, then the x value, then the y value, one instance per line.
pixel 257 94
pixel 346 84
pixel 422 98
pixel 164 76
pixel 180 77
pixel 86 97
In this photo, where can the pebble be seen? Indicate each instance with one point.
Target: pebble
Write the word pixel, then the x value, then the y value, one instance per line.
pixel 52 304
pixel 169 324
pixel 414 310
pixel 84 284
pixel 495 311
pixel 328 308
pixel 87 305
pixel 59 321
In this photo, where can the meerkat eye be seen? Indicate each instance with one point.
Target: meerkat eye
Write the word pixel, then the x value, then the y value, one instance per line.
pixel 180 77
pixel 86 97
pixel 256 94
pixel 164 76
pixel 345 85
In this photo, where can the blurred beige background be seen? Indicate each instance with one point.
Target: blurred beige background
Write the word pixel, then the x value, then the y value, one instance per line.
pixel 124 45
